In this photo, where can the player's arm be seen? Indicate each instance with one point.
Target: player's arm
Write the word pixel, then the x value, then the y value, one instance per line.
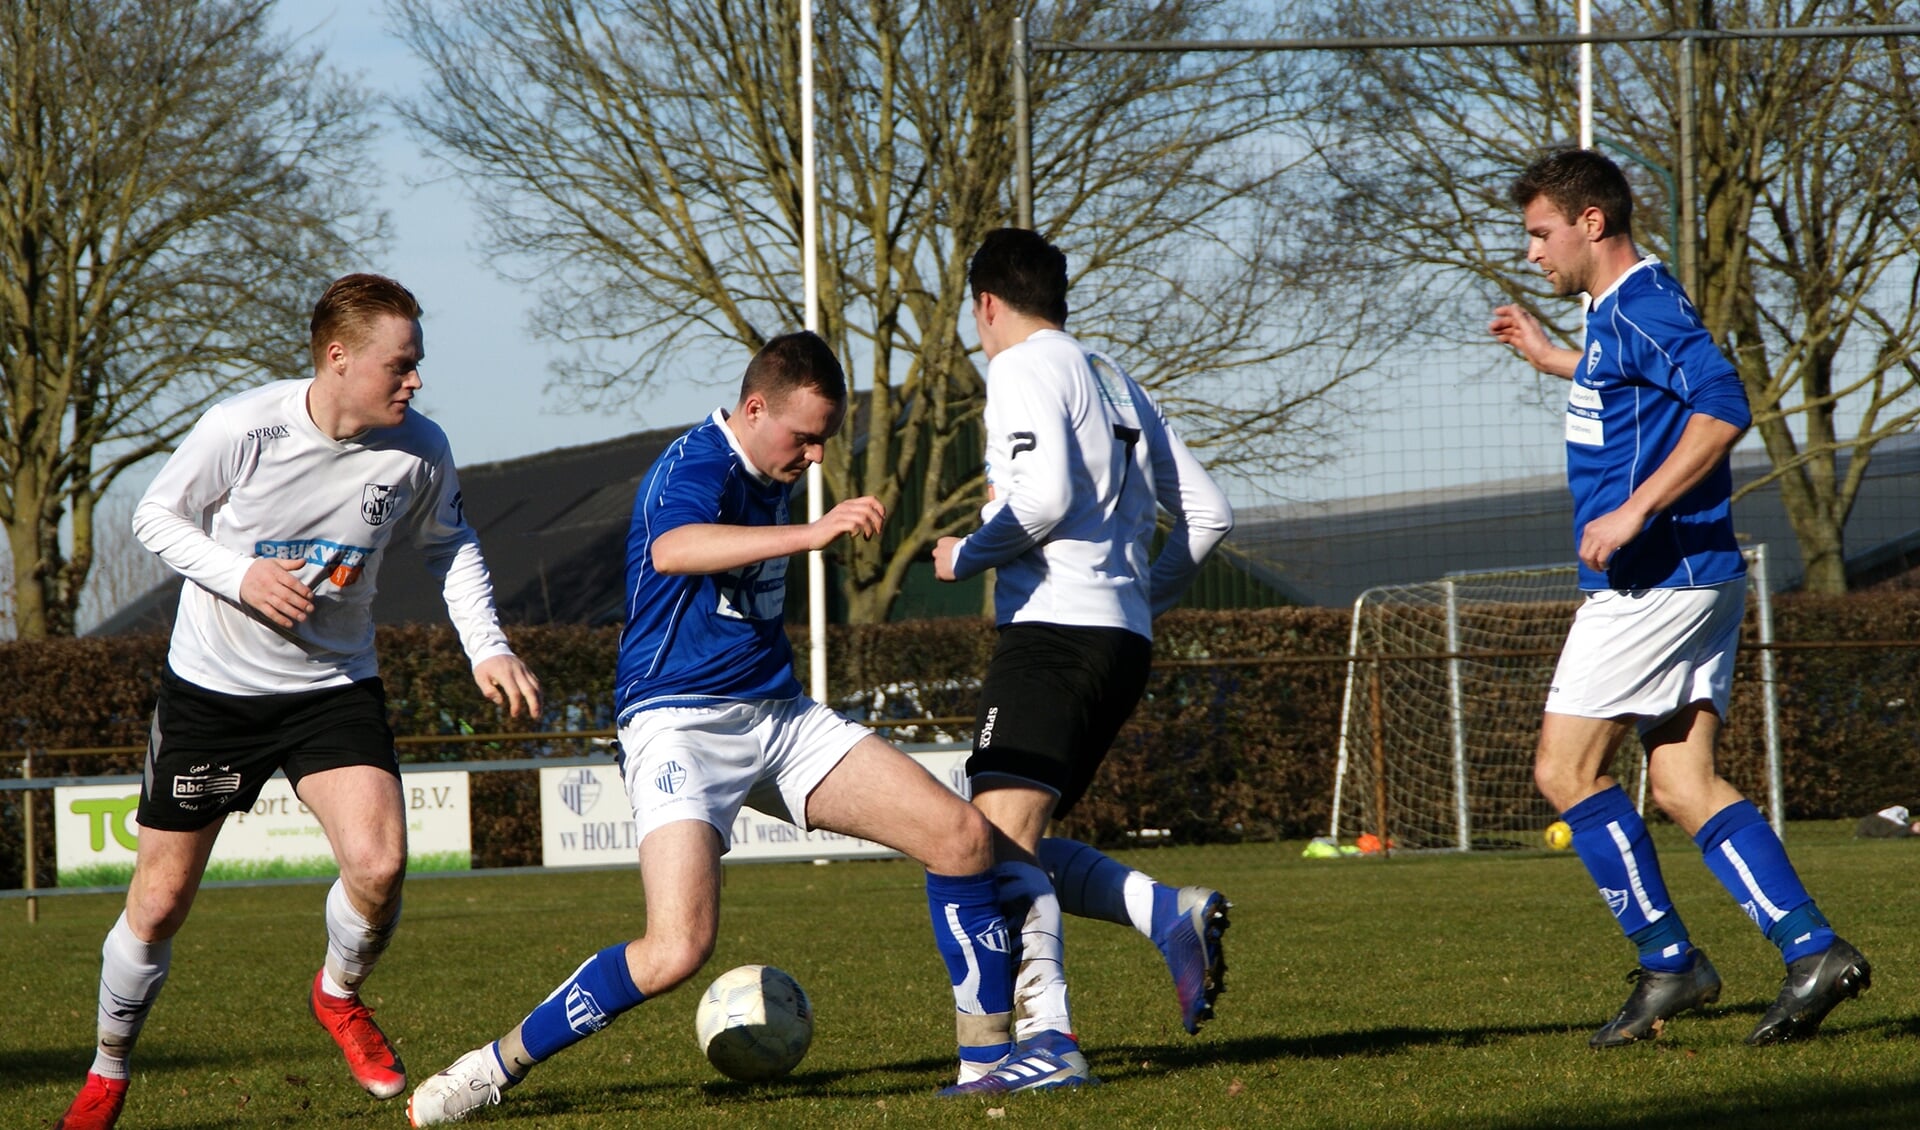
pixel 1704 443
pixel 1690 367
pixel 1038 479
pixel 167 521
pixel 452 550
pixel 1201 514
pixel 713 547
pixel 1514 327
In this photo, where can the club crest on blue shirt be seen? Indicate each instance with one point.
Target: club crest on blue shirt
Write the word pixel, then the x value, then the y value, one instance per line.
pixel 1593 355
pixel 376 503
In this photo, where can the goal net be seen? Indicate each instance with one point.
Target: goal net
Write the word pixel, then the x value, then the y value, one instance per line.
pixel 1446 681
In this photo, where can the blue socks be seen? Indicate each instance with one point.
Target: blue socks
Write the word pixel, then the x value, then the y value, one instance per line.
pixel 974 942
pixel 1612 841
pixel 1751 863
pixel 584 1003
pixel 1092 884
pixel 1739 847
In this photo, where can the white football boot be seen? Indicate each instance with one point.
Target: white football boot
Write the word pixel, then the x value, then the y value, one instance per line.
pixel 456 1092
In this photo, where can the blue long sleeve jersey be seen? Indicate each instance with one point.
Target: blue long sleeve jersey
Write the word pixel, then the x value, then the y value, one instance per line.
pixel 702 639
pixel 1649 366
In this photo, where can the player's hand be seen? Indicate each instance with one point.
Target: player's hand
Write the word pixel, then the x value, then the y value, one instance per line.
pixel 1607 535
pixel 943 551
pixel 271 589
pixel 863 516
pixel 1522 332
pixel 507 682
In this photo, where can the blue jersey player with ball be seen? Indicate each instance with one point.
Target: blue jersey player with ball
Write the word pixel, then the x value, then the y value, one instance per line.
pixel 1653 409
pixel 712 717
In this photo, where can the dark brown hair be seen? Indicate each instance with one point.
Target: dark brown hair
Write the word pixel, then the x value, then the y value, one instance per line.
pixel 794 361
pixel 1575 180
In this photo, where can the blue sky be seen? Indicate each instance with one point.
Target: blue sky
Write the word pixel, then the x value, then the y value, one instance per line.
pixel 486 373
pixel 1441 421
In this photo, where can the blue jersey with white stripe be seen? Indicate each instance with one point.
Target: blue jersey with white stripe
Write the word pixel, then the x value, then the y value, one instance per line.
pixel 699 639
pixel 1649 366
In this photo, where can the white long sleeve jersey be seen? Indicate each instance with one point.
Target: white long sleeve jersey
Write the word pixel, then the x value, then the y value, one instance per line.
pixel 256 478
pixel 1079 458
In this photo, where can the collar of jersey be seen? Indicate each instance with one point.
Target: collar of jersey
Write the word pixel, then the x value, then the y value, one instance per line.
pixel 719 419
pixel 1645 261
pixel 303 415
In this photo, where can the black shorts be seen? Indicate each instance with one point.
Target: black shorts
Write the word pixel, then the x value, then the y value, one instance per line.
pixel 209 753
pixel 1052 701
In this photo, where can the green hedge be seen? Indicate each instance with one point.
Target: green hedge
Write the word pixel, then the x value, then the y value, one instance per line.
pixel 1217 751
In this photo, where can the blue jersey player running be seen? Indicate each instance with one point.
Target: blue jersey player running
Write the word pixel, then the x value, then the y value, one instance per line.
pixel 1653 409
pixel 711 717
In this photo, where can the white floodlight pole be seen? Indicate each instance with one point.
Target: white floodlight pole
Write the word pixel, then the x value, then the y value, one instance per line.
pixel 1586 76
pixel 809 270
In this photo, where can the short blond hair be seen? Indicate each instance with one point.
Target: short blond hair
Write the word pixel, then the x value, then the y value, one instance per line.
pixel 350 306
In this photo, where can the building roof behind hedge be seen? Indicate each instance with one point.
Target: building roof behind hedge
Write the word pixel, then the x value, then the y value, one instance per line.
pixel 554 527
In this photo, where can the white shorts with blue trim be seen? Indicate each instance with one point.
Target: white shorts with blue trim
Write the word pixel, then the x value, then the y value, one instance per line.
pixel 1648 654
pixel 704 762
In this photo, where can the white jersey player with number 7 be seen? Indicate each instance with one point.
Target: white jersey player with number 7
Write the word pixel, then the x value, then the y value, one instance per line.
pixel 1080 462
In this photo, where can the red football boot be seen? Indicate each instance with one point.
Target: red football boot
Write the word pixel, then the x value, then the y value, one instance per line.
pixel 374 1063
pixel 97 1106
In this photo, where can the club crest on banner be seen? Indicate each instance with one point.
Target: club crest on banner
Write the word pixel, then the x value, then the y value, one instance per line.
pixel 579 791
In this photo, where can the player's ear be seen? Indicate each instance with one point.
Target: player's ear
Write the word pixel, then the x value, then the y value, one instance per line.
pixel 1593 223
pixel 337 356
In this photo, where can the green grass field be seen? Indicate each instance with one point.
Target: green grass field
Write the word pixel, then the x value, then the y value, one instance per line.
pixel 1412 992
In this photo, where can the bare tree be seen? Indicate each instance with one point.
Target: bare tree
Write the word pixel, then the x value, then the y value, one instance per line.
pixel 1808 164
pixel 639 163
pixel 123 569
pixel 173 181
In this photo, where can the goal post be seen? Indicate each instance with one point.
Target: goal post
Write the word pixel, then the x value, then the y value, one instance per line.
pixel 1441 711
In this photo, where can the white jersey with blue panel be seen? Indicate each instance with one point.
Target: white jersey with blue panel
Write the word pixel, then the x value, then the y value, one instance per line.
pixel 696 640
pixel 1648 367
pixel 256 477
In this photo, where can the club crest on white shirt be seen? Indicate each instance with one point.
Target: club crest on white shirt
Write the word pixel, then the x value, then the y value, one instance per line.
pixel 377 502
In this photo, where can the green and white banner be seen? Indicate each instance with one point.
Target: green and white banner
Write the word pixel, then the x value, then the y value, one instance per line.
pixel 96 834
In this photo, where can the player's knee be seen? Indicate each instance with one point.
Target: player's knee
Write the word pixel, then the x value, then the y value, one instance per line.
pixel 1687 802
pixel 375 876
pixel 155 915
pixel 966 845
pixel 666 963
pixel 1561 788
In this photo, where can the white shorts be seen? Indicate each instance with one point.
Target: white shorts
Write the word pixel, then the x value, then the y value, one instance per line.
pixel 704 762
pixel 1649 653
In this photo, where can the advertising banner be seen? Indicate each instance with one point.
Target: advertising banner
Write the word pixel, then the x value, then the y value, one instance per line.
pixel 586 820
pixel 95 832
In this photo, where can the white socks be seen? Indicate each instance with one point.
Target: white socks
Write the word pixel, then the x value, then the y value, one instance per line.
pixel 1040 987
pixel 131 973
pixel 353 943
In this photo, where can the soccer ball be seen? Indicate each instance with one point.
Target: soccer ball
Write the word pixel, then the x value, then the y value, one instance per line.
pixel 754 1023
pixel 1558 835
